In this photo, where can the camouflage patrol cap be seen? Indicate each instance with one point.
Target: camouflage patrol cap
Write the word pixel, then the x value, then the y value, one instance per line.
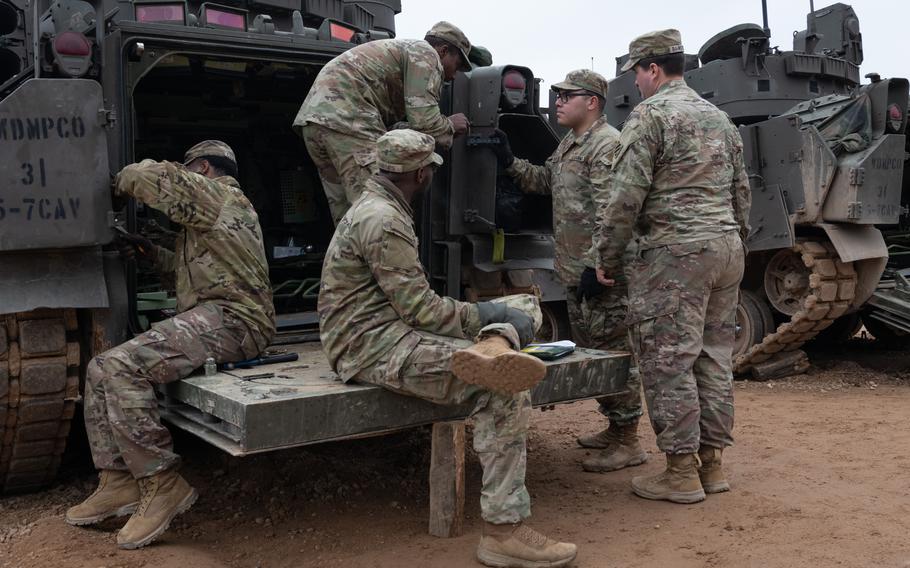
pixel 209 148
pixel 450 33
pixel 583 79
pixel 653 44
pixel 405 151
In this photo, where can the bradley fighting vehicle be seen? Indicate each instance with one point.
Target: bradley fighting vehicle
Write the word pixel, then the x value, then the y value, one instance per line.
pixel 88 87
pixel 826 156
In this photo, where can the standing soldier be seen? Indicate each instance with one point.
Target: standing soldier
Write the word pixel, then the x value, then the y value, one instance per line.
pixel 381 323
pixel 366 90
pixel 679 178
pixel 576 175
pixel 225 304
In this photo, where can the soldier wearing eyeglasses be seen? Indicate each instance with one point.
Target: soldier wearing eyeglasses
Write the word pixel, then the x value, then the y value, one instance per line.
pixel 576 176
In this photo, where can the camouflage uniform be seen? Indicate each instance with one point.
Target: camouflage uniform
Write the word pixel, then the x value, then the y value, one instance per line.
pixel 679 179
pixel 225 304
pixel 381 323
pixel 576 175
pixel 360 95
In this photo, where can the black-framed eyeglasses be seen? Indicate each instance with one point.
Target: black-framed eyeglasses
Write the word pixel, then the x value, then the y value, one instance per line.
pixel 564 96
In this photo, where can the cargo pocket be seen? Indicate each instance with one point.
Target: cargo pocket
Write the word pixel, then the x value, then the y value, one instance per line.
pixel 652 321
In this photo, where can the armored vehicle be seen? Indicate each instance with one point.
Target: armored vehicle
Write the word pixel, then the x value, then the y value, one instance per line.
pixel 826 156
pixel 88 87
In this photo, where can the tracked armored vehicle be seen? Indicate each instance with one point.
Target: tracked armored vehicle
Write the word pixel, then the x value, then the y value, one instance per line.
pixel 826 156
pixel 88 87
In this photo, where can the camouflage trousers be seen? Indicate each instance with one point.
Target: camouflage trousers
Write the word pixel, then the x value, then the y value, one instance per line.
pixel 682 306
pixel 600 323
pixel 344 162
pixel 121 409
pixel 418 366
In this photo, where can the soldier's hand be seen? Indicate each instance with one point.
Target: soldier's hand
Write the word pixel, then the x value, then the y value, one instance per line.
pixel 589 285
pixel 460 122
pixel 502 149
pixel 497 312
pixel 603 279
pixel 131 245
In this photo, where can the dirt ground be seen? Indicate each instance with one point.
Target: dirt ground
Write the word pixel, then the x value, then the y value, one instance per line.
pixel 819 476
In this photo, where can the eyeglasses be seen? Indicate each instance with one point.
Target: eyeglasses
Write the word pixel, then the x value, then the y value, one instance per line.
pixel 564 96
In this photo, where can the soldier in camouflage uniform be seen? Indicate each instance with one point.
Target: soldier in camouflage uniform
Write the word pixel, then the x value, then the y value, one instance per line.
pixel 381 323
pixel 679 176
pixel 576 176
pixel 369 89
pixel 225 304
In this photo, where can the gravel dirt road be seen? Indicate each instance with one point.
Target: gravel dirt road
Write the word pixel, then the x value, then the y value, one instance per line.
pixel 820 477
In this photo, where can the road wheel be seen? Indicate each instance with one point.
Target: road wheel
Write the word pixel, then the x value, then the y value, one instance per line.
pixel 555 325
pixel 753 321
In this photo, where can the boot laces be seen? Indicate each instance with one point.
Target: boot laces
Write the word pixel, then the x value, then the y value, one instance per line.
pixel 148 487
pixel 529 536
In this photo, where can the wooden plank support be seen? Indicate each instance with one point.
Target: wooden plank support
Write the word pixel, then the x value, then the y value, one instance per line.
pixel 447 479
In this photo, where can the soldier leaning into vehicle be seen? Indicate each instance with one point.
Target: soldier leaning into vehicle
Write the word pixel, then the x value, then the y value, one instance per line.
pixel 381 323
pixel 364 92
pixel 225 304
pixel 678 176
pixel 576 175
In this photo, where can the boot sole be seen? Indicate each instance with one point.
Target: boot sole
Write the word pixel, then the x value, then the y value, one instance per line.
pixel 716 487
pixel 684 497
pixel 121 512
pixel 637 460
pixel 181 508
pixel 510 372
pixel 502 561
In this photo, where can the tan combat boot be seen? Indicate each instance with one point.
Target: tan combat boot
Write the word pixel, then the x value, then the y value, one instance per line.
pixel 679 483
pixel 494 365
pixel 710 472
pixel 164 496
pixel 520 546
pixel 622 450
pixel 117 495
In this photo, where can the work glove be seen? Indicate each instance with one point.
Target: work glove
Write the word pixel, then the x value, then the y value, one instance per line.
pixel 588 286
pixel 502 149
pixel 131 246
pixel 496 312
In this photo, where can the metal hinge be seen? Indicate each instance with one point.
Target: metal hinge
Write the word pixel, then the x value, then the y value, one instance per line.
pixel 857 176
pixel 108 117
pixel 854 210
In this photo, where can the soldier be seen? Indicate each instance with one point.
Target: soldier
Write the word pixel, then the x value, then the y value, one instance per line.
pixel 364 92
pixel 679 176
pixel 225 304
pixel 381 323
pixel 576 175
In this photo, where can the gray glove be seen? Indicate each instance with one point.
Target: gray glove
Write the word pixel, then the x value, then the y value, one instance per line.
pixel 495 312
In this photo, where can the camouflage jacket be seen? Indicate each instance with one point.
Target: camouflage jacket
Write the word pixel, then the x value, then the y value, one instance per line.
pixel 366 90
pixel 219 254
pixel 678 174
pixel 576 175
pixel 374 293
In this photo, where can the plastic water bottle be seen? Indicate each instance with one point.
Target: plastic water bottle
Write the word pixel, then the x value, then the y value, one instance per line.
pixel 210 367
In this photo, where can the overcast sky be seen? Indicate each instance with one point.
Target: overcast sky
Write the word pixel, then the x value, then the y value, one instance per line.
pixel 565 34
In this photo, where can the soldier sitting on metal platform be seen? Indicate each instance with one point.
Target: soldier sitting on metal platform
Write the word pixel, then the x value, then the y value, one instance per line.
pixel 225 304
pixel 381 323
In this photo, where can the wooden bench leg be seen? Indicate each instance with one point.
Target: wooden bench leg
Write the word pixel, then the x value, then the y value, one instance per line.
pixel 447 480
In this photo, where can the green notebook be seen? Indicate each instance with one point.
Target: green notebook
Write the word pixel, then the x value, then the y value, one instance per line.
pixel 550 351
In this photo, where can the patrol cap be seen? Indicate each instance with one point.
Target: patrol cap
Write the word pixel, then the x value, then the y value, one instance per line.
pixel 583 79
pixel 653 44
pixel 209 148
pixel 405 151
pixel 450 33
pixel 480 56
